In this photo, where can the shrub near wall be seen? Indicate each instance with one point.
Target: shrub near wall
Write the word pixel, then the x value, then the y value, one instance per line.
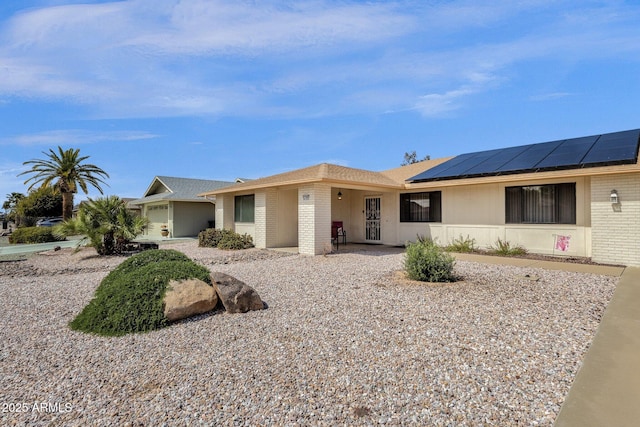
pixel 224 239
pixel 34 235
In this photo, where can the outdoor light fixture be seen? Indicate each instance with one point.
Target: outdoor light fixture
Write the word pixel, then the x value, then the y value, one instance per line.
pixel 339 195
pixel 614 197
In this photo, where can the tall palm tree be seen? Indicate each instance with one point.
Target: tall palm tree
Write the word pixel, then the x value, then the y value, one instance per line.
pixel 68 172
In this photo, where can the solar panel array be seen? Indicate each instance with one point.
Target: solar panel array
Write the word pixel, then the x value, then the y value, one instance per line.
pixel 589 151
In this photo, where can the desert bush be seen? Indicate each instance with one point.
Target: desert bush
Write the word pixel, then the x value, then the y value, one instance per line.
pixel 210 237
pixel 427 262
pixel 503 247
pixel 462 245
pixel 130 298
pixel 34 235
pixel 235 241
pixel 224 239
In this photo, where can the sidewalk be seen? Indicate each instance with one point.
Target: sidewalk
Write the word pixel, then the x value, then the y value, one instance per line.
pixel 36 247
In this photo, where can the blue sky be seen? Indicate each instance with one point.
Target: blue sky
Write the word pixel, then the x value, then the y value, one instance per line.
pixel 223 89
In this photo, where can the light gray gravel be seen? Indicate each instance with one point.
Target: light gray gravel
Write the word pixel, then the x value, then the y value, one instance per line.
pixel 343 342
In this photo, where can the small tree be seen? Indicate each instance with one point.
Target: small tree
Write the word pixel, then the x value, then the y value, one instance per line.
pixel 10 205
pixel 42 202
pixel 106 223
pixel 412 157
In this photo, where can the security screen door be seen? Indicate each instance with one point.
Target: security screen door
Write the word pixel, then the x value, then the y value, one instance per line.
pixel 372 219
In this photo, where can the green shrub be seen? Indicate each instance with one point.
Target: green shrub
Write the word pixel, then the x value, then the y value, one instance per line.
pixel 427 262
pixel 462 245
pixel 224 239
pixel 504 248
pixel 34 235
pixel 130 298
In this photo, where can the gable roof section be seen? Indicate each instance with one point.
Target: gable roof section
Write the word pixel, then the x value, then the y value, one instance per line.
pixel 324 172
pixel 591 151
pixel 179 189
pixel 403 173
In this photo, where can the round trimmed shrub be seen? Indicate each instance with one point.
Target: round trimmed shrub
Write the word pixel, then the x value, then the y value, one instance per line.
pixel 130 298
pixel 427 262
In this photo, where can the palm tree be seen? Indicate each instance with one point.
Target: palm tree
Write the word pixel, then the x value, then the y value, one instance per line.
pixel 67 169
pixel 106 223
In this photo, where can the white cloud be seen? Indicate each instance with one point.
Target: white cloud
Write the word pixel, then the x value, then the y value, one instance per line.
pixel 75 137
pixel 436 104
pixel 9 180
pixel 154 58
pixel 550 96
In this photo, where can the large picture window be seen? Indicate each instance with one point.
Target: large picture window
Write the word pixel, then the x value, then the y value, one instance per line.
pixel 245 208
pixel 421 207
pixel 541 204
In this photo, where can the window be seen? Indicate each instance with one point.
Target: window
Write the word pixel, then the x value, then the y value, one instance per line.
pixel 421 207
pixel 245 208
pixel 541 204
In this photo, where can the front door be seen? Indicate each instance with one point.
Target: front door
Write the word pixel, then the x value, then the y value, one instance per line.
pixel 372 219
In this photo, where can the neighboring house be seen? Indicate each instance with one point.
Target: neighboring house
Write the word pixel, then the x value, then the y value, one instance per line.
pixel 174 204
pixel 575 197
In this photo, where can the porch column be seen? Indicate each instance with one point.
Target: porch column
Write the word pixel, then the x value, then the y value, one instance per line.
pixel 265 218
pixel 314 219
pixel 224 212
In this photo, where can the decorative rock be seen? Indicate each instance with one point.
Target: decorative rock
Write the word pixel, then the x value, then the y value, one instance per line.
pixel 186 298
pixel 236 296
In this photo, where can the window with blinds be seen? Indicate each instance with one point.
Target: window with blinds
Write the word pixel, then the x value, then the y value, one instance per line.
pixel 541 204
pixel 421 207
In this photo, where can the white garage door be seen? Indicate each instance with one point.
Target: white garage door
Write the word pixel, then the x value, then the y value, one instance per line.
pixel 158 216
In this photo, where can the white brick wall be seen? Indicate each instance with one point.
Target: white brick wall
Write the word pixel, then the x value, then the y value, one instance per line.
pixel 615 229
pixel 314 219
pixel 224 212
pixel 265 218
pixel 271 234
pixel 260 218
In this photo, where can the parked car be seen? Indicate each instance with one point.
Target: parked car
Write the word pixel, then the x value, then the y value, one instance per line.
pixel 49 222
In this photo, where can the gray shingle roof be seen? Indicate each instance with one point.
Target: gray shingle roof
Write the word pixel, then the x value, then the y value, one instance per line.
pixel 179 189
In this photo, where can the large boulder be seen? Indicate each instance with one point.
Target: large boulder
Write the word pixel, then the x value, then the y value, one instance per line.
pixel 236 296
pixel 185 298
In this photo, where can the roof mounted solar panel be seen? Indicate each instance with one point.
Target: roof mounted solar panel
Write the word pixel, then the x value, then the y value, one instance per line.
pixel 589 151
pixel 568 153
pixel 443 168
pixel 615 148
pixel 529 158
pixel 497 160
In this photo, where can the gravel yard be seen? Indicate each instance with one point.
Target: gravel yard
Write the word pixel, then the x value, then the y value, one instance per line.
pixel 345 341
